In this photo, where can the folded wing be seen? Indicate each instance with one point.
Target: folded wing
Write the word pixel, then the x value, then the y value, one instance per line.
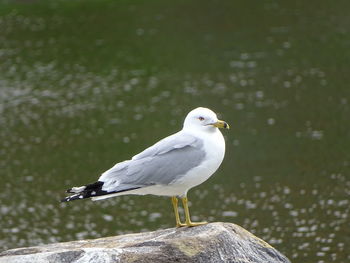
pixel 161 164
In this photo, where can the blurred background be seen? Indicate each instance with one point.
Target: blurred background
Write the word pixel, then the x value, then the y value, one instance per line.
pixel 86 84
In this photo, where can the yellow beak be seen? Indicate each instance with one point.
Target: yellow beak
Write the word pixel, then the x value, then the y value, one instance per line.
pixel 221 124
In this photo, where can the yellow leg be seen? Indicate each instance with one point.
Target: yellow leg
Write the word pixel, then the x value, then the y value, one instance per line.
pixel 188 221
pixel 176 211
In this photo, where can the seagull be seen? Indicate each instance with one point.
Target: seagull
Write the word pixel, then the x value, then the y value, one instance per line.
pixel 170 167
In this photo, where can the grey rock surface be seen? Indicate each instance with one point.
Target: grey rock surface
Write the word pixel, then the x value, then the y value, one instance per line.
pixel 215 242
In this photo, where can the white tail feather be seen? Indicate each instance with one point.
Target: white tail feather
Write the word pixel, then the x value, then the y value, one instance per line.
pixel 77 189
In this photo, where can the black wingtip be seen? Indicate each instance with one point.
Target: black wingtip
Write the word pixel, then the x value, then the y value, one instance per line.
pixel 66 199
pixel 83 192
pixel 75 197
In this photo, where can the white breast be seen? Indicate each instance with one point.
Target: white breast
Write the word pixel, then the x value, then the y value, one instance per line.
pixel 214 145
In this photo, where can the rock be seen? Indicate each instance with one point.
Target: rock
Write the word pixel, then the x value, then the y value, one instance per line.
pixel 215 242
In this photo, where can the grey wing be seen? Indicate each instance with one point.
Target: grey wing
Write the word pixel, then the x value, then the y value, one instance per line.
pixel 175 141
pixel 162 163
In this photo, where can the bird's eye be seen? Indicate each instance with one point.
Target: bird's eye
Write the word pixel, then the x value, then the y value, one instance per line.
pixel 201 118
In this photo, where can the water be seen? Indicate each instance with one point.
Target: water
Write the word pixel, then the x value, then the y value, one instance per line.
pixel 86 84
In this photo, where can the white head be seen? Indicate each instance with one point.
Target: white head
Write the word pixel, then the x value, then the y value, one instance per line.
pixel 203 119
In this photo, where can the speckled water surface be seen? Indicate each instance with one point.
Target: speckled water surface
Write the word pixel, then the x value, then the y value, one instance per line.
pixel 85 84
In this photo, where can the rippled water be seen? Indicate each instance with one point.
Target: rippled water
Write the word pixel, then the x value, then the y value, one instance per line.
pixel 86 84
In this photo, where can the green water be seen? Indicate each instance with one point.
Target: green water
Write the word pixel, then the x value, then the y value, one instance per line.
pixel 86 84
